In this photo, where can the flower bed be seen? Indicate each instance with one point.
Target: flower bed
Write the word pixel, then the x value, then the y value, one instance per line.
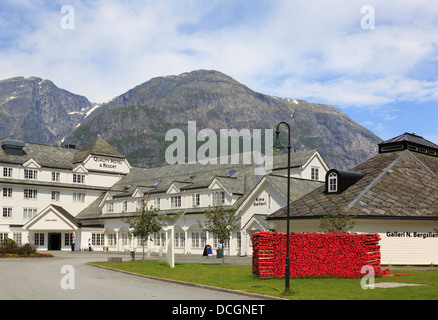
pixel 29 255
pixel 340 255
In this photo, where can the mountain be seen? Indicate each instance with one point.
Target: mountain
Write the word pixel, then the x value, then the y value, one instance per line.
pixel 35 110
pixel 136 122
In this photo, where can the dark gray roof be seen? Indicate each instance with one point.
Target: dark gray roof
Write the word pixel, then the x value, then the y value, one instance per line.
pixel 412 139
pixel 395 184
pixel 191 177
pixel 98 147
pixel 45 155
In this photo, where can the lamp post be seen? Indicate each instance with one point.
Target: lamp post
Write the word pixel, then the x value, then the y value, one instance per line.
pixel 278 147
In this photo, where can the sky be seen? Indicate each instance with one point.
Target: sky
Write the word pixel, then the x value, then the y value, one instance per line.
pixel 377 61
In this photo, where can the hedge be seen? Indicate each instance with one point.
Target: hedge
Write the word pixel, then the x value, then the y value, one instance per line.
pixel 340 255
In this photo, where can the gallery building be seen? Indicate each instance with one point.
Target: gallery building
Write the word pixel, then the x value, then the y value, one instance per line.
pixel 56 197
pixel 392 193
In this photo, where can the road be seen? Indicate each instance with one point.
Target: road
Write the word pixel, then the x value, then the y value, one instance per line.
pixel 68 277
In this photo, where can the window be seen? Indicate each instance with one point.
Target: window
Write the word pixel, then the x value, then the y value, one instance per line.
pixel 55 195
pixel 97 239
pixel 29 213
pixel 218 197
pixel 216 242
pixel 156 183
pixel 196 200
pixel 68 239
pixel 333 182
pixel 30 174
pixel 198 239
pixel 112 239
pixel 230 173
pixel 314 174
pixel 110 207
pixel 125 206
pixel 239 240
pixel 39 239
pixel 157 203
pixel 3 235
pixel 78 178
pixel 160 239
pixel 125 240
pixel 7 192
pixel 78 197
pixel 30 194
pixel 55 176
pixel 17 238
pixel 7 212
pixel 175 202
pixel 7 172
pixel 179 240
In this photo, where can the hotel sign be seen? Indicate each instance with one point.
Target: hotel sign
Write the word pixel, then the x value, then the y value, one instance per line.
pixel 101 163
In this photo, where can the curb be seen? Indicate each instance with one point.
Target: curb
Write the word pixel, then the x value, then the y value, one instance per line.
pixel 255 295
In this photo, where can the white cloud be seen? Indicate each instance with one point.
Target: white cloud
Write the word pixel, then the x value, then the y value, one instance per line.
pixel 314 50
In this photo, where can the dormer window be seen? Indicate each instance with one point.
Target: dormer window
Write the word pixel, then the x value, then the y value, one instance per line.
pixel 339 181
pixel 333 182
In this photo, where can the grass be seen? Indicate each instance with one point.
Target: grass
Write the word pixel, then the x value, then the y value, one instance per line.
pixel 240 277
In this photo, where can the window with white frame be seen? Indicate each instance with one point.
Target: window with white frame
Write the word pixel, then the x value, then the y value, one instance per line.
pixel 97 239
pixel 196 200
pixel 7 192
pixel 157 203
pixel 39 239
pixel 29 213
pixel 78 197
pixel 125 206
pixel 159 239
pixel 112 239
pixel 17 238
pixel 7 172
pixel 175 201
pixel 3 235
pixel 30 193
pixel 30 174
pixel 218 197
pixel 124 238
pixel 7 212
pixel 198 239
pixel 78 178
pixel 68 239
pixel 55 176
pixel 55 195
pixel 109 207
pixel 216 242
pixel 314 175
pixel 333 182
pixel 179 240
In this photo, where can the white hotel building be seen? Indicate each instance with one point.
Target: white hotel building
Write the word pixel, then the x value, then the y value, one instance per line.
pixel 53 197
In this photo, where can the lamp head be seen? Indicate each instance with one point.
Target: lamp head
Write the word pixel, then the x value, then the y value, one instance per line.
pixel 277 147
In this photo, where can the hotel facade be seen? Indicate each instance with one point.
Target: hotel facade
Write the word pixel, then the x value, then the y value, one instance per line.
pixel 60 198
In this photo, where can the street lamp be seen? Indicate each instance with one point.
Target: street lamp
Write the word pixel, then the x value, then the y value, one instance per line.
pixel 278 147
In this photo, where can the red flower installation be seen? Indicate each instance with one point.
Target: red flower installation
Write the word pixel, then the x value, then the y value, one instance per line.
pixel 340 255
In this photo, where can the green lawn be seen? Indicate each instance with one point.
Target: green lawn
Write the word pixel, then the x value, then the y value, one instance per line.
pixel 238 277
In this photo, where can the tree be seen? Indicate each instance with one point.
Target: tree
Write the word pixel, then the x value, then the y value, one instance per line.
pixel 145 221
pixel 222 222
pixel 341 221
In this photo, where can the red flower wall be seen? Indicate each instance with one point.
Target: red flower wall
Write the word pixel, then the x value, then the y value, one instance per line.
pixel 340 255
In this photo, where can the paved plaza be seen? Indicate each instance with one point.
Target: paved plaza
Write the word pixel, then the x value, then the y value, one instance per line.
pixel 68 277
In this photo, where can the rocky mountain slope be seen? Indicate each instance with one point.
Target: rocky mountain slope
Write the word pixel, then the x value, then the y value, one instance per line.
pixel 136 122
pixel 35 110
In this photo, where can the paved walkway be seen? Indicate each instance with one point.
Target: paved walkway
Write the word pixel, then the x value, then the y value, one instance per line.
pixel 68 277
